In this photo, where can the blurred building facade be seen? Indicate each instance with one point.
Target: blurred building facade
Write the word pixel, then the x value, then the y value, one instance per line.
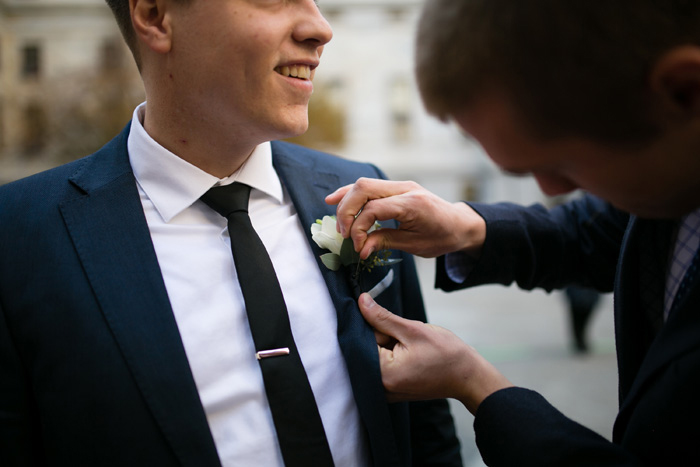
pixel 67 83
pixel 366 74
pixel 62 63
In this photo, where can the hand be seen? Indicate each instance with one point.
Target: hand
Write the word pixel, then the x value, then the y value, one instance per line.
pixel 429 226
pixel 422 361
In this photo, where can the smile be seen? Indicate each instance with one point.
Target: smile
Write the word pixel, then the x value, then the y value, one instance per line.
pixel 295 71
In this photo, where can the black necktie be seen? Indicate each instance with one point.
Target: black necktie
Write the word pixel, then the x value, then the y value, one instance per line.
pixel 294 412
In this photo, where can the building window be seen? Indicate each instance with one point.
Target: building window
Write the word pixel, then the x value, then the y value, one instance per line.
pixel 111 55
pixel 397 14
pixel 400 105
pixel 471 190
pixel 31 56
pixel 326 117
pixel 35 129
pixel 331 13
pixel 2 127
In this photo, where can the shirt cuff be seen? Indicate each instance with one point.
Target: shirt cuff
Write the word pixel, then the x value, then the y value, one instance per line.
pixel 458 265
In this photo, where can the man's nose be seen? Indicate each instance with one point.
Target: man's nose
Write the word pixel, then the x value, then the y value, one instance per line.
pixel 312 26
pixel 553 185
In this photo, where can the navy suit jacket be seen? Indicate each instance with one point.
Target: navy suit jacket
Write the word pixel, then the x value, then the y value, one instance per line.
pixel 92 368
pixel 591 243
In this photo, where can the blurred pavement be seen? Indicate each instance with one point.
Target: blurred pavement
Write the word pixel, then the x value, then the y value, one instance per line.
pixel 526 336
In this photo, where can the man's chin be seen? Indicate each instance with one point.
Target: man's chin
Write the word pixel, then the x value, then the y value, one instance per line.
pixel 294 129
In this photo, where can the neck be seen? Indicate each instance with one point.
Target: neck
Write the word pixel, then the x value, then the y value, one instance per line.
pixel 213 146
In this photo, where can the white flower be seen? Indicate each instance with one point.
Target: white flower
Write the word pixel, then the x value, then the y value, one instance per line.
pixel 326 236
pixel 342 253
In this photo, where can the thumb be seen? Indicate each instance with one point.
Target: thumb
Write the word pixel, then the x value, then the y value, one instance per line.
pixel 380 318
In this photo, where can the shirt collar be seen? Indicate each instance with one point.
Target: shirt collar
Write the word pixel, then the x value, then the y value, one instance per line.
pixel 173 184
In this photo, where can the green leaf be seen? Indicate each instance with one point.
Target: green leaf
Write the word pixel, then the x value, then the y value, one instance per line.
pixel 348 255
pixel 331 261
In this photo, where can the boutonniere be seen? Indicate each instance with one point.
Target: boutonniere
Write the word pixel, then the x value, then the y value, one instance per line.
pixel 342 252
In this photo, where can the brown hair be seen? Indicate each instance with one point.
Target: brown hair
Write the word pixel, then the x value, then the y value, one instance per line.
pixel 574 67
pixel 120 10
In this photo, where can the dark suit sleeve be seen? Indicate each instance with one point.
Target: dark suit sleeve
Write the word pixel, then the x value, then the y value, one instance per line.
pixel 578 242
pixel 516 426
pixel 18 430
pixel 575 243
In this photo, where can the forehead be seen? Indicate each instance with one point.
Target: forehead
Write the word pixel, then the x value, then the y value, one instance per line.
pixel 492 119
pixel 505 135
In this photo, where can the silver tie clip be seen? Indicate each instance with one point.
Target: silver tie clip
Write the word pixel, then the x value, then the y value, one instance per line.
pixel 272 353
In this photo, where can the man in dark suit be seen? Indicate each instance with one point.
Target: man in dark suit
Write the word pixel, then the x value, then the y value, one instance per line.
pixel 124 328
pixel 603 96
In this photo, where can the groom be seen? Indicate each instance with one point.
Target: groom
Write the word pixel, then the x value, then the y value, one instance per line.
pixel 124 333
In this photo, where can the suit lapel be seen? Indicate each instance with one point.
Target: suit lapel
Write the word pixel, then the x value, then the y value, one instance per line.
pixel 109 231
pixel 307 187
pixel 646 355
pixel 639 290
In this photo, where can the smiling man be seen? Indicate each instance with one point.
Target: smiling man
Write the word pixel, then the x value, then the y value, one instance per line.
pixel 161 301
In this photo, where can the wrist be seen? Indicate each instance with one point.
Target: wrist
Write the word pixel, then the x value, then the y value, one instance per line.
pixel 471 231
pixel 480 381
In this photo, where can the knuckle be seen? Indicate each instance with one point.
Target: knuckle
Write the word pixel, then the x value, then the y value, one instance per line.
pixel 362 182
pixel 383 315
pixel 415 329
pixel 389 383
pixel 414 186
pixel 369 206
pixel 382 241
pixel 420 197
pixel 359 237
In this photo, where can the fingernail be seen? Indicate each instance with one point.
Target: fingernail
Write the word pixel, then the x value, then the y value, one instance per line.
pixel 366 300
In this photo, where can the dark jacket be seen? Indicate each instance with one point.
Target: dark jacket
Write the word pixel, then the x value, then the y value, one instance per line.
pixel 591 243
pixel 92 368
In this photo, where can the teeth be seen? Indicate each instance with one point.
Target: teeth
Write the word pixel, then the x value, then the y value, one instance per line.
pixel 295 71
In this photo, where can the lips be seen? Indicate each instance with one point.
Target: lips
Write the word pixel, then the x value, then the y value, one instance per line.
pixel 295 71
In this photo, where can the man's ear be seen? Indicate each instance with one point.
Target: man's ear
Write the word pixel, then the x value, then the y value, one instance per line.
pixel 675 79
pixel 151 24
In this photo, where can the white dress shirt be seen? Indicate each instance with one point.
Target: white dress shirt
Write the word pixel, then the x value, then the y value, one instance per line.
pixel 193 249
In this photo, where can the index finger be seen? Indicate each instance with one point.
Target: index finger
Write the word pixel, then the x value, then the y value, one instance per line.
pixel 355 196
pixel 337 195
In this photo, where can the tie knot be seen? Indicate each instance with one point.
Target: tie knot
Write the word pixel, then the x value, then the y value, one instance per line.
pixel 228 199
